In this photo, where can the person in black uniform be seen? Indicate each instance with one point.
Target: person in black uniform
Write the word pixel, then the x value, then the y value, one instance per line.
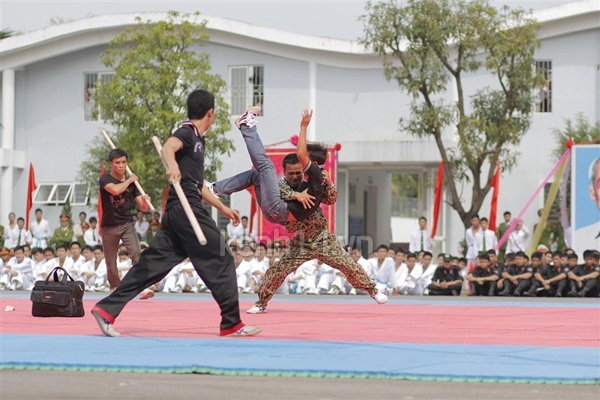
pixel 537 267
pixel 183 155
pixel 446 280
pixel 584 277
pixel 552 279
pixel 483 278
pixel 516 277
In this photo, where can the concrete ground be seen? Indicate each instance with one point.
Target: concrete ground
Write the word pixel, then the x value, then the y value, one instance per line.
pixel 67 385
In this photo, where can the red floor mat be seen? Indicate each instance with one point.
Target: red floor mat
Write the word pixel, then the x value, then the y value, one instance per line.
pixel 335 321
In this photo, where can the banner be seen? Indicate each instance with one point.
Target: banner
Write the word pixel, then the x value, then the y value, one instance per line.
pixel 585 198
pixel 31 187
pixel 277 232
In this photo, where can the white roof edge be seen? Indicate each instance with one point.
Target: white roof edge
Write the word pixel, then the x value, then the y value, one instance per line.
pixel 233 27
pixel 566 10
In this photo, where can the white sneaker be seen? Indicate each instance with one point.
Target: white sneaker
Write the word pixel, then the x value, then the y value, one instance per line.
pixel 334 290
pixel 352 292
pixel 211 187
pixel 248 118
pixel 380 298
pixel 176 289
pixel 246 331
pixel 256 310
pixel 146 294
pixel 194 289
pixel 106 327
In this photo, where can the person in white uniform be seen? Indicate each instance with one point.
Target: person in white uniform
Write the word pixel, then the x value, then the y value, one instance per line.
pixel 420 240
pixel 383 271
pixel 20 236
pixel 409 276
pixel 428 270
pixel 40 230
pixel 17 274
pixel 517 240
pixel 485 238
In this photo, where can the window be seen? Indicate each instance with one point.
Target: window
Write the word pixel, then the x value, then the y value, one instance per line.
pixel 58 193
pixel 544 101
pixel 247 87
pixel 89 93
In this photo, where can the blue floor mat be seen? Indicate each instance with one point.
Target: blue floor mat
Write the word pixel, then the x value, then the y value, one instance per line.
pixel 246 356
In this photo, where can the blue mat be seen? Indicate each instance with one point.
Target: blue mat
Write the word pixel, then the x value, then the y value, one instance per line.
pixel 465 363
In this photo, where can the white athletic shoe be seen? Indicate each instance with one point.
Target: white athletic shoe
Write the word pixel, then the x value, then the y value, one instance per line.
pixel 248 118
pixel 211 187
pixel 380 298
pixel 256 310
pixel 146 294
pixel 106 327
pixel 246 331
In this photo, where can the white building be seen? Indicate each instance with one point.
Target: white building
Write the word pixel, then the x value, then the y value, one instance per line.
pixel 45 74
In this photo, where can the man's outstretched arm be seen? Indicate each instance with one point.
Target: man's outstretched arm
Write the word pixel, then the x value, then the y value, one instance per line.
pixel 302 150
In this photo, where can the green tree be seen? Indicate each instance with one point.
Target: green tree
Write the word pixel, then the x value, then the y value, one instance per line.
pixel 579 130
pixel 6 33
pixel 428 47
pixel 156 65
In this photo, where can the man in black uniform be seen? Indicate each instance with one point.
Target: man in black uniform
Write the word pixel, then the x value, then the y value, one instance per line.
pixel 183 154
pixel 537 266
pixel 516 277
pixel 483 277
pixel 446 280
pixel 584 277
pixel 552 278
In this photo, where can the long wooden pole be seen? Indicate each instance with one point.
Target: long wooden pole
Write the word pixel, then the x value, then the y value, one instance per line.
pixel 137 184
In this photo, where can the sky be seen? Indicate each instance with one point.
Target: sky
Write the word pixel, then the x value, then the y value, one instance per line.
pixel 328 18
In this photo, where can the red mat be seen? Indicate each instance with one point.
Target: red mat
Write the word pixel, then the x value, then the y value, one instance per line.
pixel 344 322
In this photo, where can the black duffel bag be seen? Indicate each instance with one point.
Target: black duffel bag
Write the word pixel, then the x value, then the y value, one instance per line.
pixel 60 297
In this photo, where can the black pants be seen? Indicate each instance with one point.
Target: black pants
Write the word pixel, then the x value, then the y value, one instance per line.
pixel 590 287
pixel 173 243
pixel 484 289
pixel 436 291
pixel 556 288
pixel 511 288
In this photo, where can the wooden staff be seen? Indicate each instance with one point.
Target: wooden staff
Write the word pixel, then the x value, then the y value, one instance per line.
pixel 184 201
pixel 137 184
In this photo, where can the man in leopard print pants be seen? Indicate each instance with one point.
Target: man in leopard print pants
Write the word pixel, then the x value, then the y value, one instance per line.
pixel 312 240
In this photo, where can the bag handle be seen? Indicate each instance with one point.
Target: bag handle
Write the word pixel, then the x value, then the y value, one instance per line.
pixel 54 273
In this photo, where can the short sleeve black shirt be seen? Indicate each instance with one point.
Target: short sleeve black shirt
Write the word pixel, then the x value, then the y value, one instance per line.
pixel 443 275
pixel 190 159
pixel 116 210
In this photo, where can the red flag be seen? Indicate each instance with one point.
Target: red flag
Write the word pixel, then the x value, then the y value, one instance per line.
pixel 100 202
pixel 31 186
pixel 439 187
pixel 494 206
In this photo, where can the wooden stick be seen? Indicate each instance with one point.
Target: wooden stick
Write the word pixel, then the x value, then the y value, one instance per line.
pixel 184 201
pixel 137 184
